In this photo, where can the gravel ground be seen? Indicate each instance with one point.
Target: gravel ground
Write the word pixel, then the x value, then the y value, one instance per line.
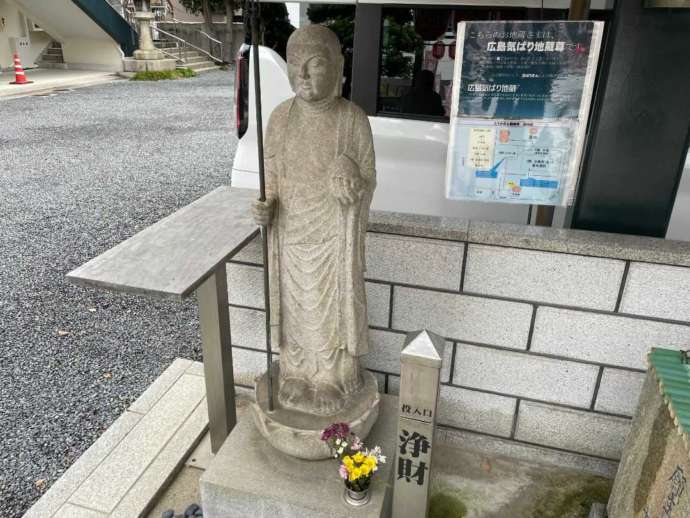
pixel 80 172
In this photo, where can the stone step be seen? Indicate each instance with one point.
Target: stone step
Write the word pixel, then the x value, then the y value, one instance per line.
pixel 207 69
pixel 51 58
pixel 184 55
pixel 126 469
pixel 164 44
pixel 196 59
pixel 202 66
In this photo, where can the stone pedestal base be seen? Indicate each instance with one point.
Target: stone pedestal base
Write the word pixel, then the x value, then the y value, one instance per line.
pixel 299 434
pixel 148 65
pixel 148 54
pixel 250 478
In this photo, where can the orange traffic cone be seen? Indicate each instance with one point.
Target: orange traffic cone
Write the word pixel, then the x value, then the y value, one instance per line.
pixel 19 76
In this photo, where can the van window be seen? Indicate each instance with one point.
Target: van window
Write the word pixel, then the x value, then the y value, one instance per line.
pixel 417 56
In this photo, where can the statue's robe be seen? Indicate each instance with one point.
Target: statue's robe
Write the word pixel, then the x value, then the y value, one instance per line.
pixel 316 244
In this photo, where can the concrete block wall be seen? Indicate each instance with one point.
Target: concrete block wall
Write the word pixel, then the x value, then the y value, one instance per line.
pixel 547 330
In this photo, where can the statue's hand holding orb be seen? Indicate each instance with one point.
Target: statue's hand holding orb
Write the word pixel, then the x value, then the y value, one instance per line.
pixel 346 182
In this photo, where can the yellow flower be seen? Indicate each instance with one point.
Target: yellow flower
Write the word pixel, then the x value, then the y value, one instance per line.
pixel 347 460
pixel 366 469
pixel 370 461
pixel 358 457
pixel 355 474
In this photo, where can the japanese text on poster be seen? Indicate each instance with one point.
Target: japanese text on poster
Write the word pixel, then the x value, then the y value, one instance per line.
pixel 521 97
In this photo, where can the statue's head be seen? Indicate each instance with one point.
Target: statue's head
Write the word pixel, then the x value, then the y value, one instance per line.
pixel 315 63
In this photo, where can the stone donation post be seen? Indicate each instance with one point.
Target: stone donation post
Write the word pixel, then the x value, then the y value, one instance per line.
pixel 652 478
pixel 420 372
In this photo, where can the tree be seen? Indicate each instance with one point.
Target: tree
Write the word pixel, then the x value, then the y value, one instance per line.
pixel 206 8
pixel 229 33
pixel 208 16
pixel 274 26
pixel 400 43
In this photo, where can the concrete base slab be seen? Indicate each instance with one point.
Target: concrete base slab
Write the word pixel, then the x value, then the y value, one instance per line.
pixel 184 490
pixel 248 477
pixel 148 65
pixel 474 476
pixel 47 80
pixel 202 456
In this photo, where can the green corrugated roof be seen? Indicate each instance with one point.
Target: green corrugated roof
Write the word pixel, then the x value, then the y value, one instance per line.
pixel 673 375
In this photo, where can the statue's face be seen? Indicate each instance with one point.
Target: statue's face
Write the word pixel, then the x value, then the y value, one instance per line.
pixel 311 72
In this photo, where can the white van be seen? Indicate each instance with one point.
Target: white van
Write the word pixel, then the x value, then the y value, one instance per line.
pixel 410 136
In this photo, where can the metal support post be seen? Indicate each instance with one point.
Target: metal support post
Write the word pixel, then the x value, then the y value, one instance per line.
pixel 579 9
pixel 214 317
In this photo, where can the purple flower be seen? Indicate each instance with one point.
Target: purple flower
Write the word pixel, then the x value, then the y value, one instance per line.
pixel 343 472
pixel 338 430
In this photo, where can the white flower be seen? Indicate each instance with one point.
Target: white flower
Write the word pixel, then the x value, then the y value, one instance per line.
pixel 337 441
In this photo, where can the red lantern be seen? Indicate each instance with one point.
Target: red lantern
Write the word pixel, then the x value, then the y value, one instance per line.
pixel 451 50
pixel 438 50
pixel 431 23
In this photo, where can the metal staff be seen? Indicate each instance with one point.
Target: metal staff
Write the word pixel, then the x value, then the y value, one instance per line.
pixel 254 14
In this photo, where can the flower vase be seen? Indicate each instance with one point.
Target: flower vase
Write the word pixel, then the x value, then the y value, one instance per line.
pixel 357 497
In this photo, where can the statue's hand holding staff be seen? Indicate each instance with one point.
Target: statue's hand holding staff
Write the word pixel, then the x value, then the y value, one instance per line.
pixel 262 211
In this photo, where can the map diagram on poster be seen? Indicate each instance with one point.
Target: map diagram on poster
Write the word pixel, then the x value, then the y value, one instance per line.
pixel 521 97
pixel 509 161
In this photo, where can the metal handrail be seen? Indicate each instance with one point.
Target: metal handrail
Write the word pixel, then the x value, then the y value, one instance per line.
pixel 187 44
pixel 211 37
pixel 171 55
pixel 206 35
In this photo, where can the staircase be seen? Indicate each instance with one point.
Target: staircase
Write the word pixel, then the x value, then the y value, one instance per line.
pixel 186 56
pixel 52 57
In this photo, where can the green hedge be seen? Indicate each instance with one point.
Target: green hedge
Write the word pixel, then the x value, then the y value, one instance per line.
pixel 178 73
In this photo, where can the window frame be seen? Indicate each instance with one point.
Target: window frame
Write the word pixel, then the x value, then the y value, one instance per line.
pixel 366 59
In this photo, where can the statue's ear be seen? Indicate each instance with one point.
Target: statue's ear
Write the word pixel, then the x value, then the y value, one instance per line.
pixel 340 74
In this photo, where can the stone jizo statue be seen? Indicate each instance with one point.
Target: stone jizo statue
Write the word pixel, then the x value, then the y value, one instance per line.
pixel 319 162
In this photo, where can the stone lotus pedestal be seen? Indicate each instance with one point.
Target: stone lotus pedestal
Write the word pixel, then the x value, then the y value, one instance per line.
pixel 147 58
pixel 248 477
pixel 299 434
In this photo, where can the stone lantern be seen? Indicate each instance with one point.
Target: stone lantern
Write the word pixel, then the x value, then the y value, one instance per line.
pixel 147 58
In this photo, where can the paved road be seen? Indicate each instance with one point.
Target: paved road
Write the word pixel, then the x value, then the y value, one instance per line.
pixel 80 172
